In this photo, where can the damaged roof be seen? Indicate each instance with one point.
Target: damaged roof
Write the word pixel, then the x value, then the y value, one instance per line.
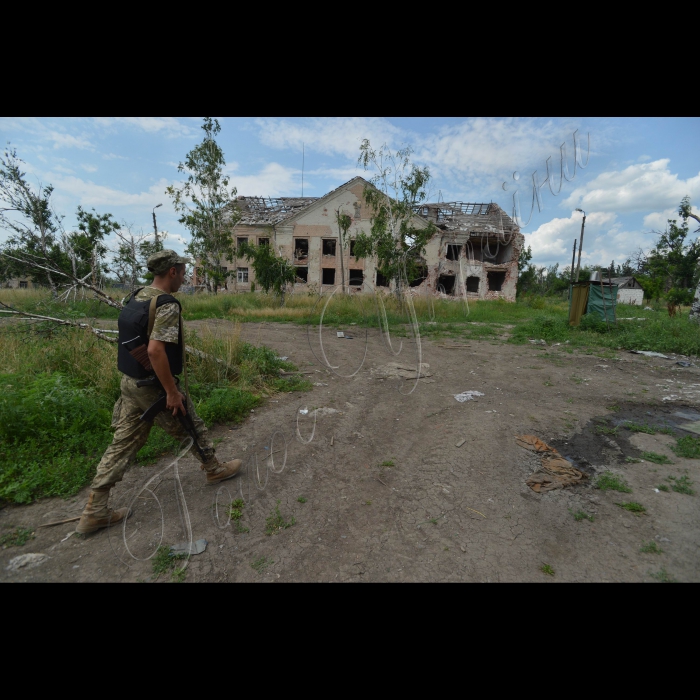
pixel 465 217
pixel 268 211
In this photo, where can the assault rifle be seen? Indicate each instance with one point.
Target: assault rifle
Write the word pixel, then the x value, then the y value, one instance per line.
pixel 160 405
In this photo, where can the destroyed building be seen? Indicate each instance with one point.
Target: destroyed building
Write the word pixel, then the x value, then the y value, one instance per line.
pixel 474 251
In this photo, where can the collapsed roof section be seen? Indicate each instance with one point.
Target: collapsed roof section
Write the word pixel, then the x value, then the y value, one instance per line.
pixel 269 211
pixel 467 217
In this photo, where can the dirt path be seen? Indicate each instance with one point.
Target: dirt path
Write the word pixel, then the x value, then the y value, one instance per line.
pixel 441 512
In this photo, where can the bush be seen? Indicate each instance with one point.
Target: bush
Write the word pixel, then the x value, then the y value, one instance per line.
pixel 226 405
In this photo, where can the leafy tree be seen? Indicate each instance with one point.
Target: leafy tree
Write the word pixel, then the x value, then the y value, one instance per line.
pixel 272 272
pixel 207 207
pixel 396 189
pixel 27 213
pixel 86 247
pixel 344 222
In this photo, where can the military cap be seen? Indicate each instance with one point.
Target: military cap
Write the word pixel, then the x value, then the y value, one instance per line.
pixel 163 260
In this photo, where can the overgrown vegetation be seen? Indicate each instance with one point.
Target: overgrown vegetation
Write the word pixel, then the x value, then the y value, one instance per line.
pixel 275 522
pixel 656 458
pixel 632 507
pixel 688 447
pixel 650 548
pixel 581 515
pixel 164 562
pixel 58 390
pixel 681 484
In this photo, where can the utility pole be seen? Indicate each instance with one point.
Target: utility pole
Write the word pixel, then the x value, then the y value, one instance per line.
pixel 580 245
pixel 571 274
pixel 155 225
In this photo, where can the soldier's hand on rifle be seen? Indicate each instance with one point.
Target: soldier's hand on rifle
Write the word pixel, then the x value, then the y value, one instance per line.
pixel 175 401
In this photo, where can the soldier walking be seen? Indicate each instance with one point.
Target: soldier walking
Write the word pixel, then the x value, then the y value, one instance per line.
pixel 152 354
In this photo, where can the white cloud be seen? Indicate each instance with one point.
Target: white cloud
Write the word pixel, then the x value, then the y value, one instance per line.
pixel 113 156
pixel 329 135
pixel 274 180
pixel 168 126
pixel 63 140
pixel 88 193
pixel 637 188
pixel 88 168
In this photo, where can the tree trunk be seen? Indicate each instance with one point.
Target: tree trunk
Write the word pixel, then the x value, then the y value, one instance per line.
pixel 342 267
pixel 694 314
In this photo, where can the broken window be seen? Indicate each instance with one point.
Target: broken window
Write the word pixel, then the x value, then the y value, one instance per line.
pixel 328 275
pixel 421 274
pixel 241 241
pixel 357 277
pixel 446 284
pixel 358 210
pixel 23 285
pixel 302 275
pixel 329 246
pixel 301 248
pixel 453 251
pixel 352 248
pixel 242 274
pixel 263 241
pixel 473 284
pixel 495 280
pixel 381 280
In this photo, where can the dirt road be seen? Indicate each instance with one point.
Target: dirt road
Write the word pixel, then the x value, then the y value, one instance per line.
pixel 383 492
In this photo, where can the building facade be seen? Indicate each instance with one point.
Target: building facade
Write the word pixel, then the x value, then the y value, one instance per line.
pixel 474 251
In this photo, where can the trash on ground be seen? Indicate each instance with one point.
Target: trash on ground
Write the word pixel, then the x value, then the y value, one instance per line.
pixel 461 442
pixel 340 334
pixel 320 384
pixel 649 353
pixel 303 411
pixel 405 371
pixel 26 561
pixel 189 547
pixel 685 364
pixel 648 308
pixel 538 342
pixel 467 396
pixel 555 471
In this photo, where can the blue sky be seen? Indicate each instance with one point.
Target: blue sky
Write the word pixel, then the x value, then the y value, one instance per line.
pixel 638 170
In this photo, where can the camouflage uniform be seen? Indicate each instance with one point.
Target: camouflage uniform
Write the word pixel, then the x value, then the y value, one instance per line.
pixel 131 433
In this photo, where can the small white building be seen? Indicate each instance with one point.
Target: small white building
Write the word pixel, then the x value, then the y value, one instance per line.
pixel 629 291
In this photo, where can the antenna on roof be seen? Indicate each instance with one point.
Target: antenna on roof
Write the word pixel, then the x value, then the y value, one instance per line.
pixel 302 168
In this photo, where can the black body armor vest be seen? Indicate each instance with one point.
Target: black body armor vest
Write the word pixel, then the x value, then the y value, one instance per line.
pixel 133 338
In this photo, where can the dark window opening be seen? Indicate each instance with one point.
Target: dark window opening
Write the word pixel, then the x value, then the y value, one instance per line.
pixel 357 277
pixel 301 248
pixel 495 280
pixel 329 246
pixel 23 285
pixel 352 248
pixel 263 241
pixel 328 275
pixel 302 274
pixel 381 280
pixel 446 283
pixel 474 251
pixel 241 241
pixel 242 274
pixel 473 284
pixel 453 251
pixel 422 272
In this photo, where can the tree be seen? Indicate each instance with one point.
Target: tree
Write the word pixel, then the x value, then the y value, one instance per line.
pixel 272 272
pixel 396 189
pixel 207 207
pixel 344 222
pixel 26 212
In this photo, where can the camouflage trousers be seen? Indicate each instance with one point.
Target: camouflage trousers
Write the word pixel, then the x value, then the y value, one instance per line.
pixel 131 433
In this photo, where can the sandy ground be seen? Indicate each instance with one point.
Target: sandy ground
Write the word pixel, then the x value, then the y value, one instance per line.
pixel 442 512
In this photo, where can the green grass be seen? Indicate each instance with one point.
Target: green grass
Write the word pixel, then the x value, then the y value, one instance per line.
pixel 632 507
pixel 260 564
pixel 639 428
pixel 632 460
pixel 387 462
pixel 663 487
pixel 605 430
pixel 547 569
pixel 681 485
pixel 650 548
pixel 688 447
pixel 663 576
pixel 301 499
pixel 274 522
pixel 57 395
pixel 656 458
pixel 18 537
pixel 164 562
pixel 615 408
pixel 581 515
pixel 611 482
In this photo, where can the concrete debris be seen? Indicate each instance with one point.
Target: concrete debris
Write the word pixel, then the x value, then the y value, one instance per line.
pixel 538 342
pixel 26 561
pixel 189 547
pixel 467 396
pixel 649 353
